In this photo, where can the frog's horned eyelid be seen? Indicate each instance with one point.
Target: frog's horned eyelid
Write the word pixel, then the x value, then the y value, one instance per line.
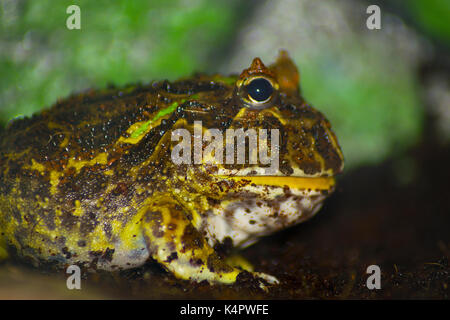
pixel 272 81
pixel 244 84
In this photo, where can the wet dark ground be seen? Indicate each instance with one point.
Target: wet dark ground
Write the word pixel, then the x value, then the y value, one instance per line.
pixel 395 215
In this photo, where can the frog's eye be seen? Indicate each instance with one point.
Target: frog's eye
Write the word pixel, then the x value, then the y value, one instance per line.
pixel 259 90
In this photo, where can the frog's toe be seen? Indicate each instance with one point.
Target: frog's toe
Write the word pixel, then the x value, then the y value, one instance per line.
pixel 270 279
pixel 236 260
pixel 264 279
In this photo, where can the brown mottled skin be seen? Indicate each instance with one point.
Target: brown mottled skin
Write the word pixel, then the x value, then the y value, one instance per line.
pixel 91 181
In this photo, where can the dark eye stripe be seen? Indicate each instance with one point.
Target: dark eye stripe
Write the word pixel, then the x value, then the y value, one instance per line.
pixel 259 89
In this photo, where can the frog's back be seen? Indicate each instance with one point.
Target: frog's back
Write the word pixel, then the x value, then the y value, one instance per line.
pixel 81 125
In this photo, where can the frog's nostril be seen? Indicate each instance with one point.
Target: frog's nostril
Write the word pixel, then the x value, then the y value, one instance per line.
pixel 259 90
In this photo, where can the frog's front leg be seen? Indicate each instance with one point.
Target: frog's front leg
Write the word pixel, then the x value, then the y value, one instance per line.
pixel 175 243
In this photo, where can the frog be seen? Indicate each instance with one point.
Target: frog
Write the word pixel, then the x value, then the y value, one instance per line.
pixel 92 180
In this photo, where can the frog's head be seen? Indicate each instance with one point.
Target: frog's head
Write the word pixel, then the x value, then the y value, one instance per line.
pixel 269 98
pixel 289 171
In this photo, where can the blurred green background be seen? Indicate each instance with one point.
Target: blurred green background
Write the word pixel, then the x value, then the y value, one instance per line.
pixel 365 81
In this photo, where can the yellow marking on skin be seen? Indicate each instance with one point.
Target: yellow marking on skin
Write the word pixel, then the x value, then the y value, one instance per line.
pixel 54 180
pixel 239 261
pixel 134 171
pixel 64 143
pixel 101 158
pixel 138 130
pixel 241 115
pixel 133 227
pixel 99 241
pixel 276 113
pixel 133 128
pixel 78 209
pixel 108 172
pixel 319 183
pixel 139 190
pixel 126 234
pixel 37 166
pixel 196 219
pixel 42 204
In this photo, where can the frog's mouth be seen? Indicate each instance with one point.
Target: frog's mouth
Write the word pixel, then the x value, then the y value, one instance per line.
pixel 313 183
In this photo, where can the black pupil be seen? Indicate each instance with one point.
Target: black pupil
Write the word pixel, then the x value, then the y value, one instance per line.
pixel 260 89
